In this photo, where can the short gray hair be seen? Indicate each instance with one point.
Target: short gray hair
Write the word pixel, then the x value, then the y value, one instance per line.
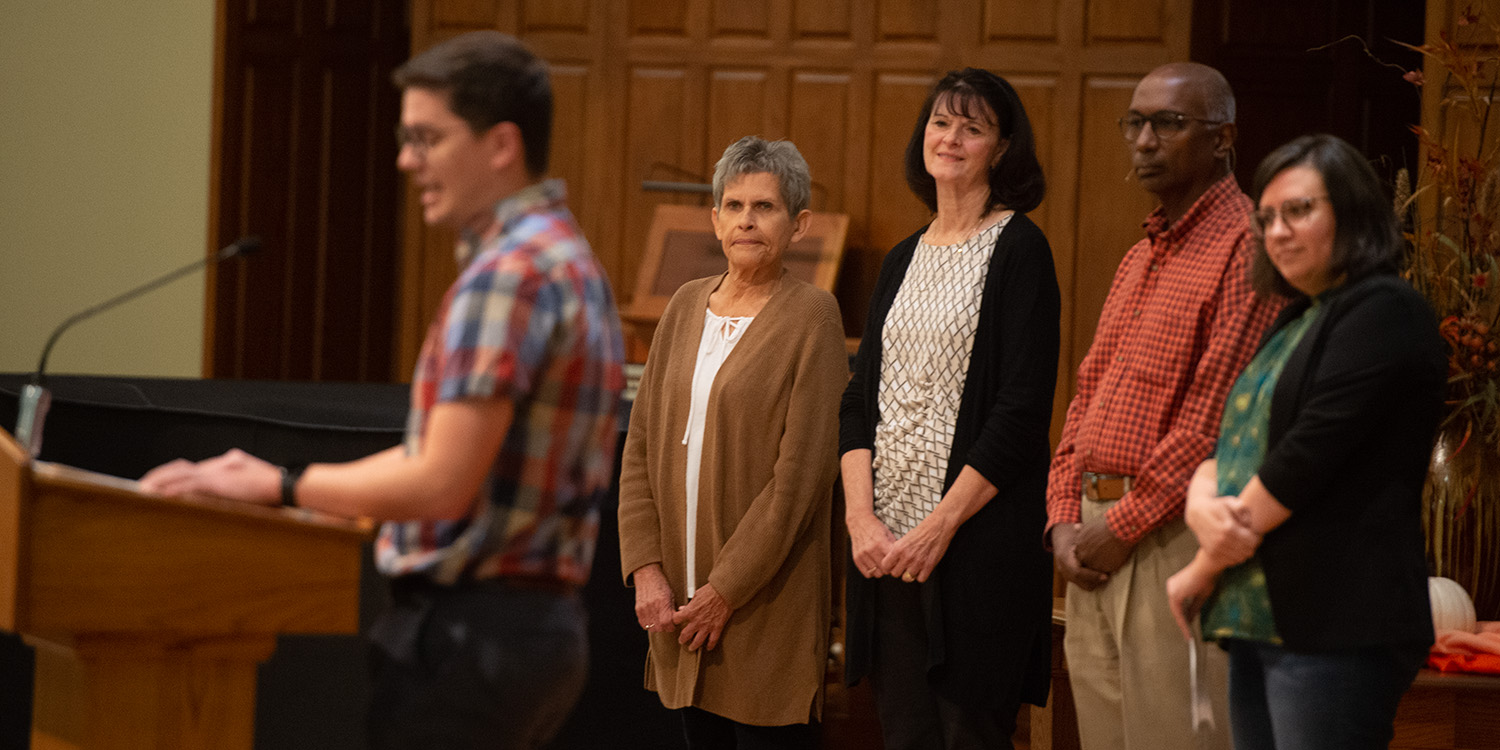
pixel 780 159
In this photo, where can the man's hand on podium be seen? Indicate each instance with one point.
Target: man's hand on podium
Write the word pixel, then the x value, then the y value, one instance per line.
pixel 236 475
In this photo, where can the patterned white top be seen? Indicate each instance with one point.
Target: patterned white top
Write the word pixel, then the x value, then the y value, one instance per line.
pixel 925 349
pixel 720 334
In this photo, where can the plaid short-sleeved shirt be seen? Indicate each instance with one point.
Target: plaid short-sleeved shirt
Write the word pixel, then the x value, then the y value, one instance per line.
pixel 532 319
pixel 1178 325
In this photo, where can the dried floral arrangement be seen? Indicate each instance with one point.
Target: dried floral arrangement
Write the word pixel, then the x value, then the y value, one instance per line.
pixel 1451 216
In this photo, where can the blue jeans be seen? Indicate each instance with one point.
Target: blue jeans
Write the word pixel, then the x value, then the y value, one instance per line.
pixel 485 665
pixel 1280 699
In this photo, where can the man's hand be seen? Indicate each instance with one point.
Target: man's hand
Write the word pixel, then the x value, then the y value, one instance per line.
pixel 235 475
pixel 703 619
pixel 653 599
pixel 1064 551
pixel 1099 549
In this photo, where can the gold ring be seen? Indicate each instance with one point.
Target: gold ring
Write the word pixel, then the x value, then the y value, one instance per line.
pixel 908 577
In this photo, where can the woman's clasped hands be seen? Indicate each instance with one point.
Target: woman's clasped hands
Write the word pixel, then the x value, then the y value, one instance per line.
pixel 701 620
pixel 912 558
pixel 1226 538
pixel 1220 522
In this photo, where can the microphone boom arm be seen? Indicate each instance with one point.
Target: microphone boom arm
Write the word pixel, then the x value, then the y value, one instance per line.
pixel 34 402
pixel 222 255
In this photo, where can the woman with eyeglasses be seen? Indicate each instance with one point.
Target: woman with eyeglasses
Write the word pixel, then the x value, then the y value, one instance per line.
pixel 1311 570
pixel 943 436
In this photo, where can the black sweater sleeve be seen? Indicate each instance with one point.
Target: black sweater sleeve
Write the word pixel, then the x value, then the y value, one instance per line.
pixel 1377 350
pixel 1023 353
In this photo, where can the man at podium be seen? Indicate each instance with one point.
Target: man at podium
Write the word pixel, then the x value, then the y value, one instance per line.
pixel 490 508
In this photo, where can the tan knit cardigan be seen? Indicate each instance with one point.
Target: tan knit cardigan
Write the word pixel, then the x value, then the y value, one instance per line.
pixel 769 461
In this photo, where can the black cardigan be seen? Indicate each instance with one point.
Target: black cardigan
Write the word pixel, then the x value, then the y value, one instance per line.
pixel 1349 443
pixel 988 603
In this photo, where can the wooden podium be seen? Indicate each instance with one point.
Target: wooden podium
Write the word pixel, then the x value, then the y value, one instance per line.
pixel 167 605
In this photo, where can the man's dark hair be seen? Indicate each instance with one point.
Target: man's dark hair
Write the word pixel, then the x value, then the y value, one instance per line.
pixel 1366 239
pixel 1016 182
pixel 489 78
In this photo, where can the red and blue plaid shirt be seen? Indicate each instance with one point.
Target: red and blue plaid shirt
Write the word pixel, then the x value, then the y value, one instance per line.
pixel 1179 324
pixel 531 319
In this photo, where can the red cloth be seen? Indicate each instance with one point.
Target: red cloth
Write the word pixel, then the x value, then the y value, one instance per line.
pixel 1458 651
pixel 1178 325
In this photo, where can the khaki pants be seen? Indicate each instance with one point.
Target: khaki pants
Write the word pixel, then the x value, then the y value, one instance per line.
pixel 1127 661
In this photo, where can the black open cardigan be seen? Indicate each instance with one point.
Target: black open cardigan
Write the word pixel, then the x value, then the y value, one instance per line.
pixel 1349 443
pixel 988 603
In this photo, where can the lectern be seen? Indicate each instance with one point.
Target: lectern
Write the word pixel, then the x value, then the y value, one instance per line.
pixel 169 605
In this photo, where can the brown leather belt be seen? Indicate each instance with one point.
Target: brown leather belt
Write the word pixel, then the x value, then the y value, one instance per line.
pixel 537 583
pixel 1106 486
pixel 410 587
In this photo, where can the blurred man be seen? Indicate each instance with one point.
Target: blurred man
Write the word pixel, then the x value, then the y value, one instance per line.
pixel 490 507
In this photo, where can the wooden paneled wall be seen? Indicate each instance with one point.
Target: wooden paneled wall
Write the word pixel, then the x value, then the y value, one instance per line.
pixel 655 89
pixel 303 158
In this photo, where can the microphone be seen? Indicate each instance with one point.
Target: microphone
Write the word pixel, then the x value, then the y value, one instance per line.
pixel 35 399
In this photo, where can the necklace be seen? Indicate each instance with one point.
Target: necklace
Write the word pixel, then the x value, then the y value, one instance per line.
pixel 941 238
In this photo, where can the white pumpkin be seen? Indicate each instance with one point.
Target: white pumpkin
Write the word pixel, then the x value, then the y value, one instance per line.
pixel 1452 609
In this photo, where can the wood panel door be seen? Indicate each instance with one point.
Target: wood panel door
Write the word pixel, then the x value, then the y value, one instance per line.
pixel 655 89
pixel 305 159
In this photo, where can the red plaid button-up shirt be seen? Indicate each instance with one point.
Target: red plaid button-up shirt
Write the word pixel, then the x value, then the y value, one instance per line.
pixel 1179 324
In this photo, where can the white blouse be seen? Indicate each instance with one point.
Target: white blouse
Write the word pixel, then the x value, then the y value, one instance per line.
pixel 720 334
pixel 925 351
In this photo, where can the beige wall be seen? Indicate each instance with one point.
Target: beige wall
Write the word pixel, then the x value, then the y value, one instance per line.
pixel 105 112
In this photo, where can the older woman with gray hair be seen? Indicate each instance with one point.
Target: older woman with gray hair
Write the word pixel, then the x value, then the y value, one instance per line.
pixel 726 482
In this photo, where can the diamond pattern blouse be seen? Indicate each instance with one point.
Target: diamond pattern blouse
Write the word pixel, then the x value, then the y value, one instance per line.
pixel 926 344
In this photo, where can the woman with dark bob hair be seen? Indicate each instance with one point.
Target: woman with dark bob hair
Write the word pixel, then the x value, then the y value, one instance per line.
pixel 1310 569
pixel 944 436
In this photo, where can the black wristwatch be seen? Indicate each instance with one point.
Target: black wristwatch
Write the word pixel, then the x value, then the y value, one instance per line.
pixel 289 477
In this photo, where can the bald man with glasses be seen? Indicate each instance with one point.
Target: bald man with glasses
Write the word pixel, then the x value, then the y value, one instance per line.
pixel 1179 323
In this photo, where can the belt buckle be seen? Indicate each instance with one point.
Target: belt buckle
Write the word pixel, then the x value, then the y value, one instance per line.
pixel 1092 480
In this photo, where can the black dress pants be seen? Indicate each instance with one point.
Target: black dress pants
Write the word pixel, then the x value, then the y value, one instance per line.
pixel 706 730
pixel 912 715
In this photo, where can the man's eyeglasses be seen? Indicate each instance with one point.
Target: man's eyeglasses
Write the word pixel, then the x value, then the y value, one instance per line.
pixel 1293 211
pixel 420 139
pixel 1163 124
